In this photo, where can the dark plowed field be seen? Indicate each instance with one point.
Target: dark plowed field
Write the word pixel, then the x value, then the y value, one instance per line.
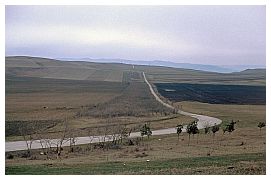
pixel 214 94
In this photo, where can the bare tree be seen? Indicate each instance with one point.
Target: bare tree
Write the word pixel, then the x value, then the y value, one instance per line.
pixel 42 141
pixel 72 140
pixel 104 132
pixel 124 133
pixel 28 137
pixel 63 139
pixel 28 140
pixel 115 134
pixel 91 138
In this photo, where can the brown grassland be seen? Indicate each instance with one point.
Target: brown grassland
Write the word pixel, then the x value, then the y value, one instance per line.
pixel 114 95
pixel 241 152
pixel 232 153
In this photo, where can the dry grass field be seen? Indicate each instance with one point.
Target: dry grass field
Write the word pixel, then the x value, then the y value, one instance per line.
pixel 247 115
pixel 114 95
pixel 241 152
pixel 45 102
pixel 49 101
pixel 55 69
pixel 178 75
pixel 40 97
pixel 136 100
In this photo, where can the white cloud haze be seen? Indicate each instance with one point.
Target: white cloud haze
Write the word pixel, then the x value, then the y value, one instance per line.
pixel 195 34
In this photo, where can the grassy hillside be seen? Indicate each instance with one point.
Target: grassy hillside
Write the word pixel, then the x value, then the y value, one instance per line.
pixel 50 68
pixel 79 70
pixel 178 75
pixel 30 98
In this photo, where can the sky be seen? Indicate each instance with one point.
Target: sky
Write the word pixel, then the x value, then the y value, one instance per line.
pixel 216 35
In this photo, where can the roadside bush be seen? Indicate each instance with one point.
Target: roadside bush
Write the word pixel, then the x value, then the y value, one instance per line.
pixel 229 127
pixel 25 155
pixel 192 128
pixel 179 130
pixel 146 130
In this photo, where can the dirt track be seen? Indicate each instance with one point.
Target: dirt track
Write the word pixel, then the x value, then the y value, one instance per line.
pixel 202 119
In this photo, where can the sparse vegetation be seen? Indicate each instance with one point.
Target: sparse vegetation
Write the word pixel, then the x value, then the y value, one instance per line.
pixel 12 128
pixel 135 100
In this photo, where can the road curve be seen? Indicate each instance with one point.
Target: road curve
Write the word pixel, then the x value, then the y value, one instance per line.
pixel 37 144
pixel 202 119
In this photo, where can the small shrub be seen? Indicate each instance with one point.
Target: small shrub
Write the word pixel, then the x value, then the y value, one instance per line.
pixel 229 127
pixel 261 125
pixel 145 130
pixel 10 156
pixel 33 158
pixel 179 129
pixel 25 155
pixel 141 155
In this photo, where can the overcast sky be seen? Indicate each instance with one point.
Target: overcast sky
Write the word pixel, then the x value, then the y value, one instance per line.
pixel 219 35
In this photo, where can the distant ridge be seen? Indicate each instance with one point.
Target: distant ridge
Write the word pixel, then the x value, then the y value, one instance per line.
pixel 245 69
pixel 201 67
pixel 23 66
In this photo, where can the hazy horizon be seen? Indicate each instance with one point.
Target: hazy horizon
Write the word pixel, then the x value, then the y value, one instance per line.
pixel 213 35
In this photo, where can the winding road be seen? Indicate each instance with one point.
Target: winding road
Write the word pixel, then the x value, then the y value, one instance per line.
pixel 37 144
pixel 202 119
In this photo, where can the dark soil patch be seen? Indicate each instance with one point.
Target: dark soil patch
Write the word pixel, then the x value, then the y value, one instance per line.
pixel 213 94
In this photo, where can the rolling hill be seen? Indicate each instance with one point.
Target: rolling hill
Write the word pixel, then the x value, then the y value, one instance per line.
pixel 81 70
